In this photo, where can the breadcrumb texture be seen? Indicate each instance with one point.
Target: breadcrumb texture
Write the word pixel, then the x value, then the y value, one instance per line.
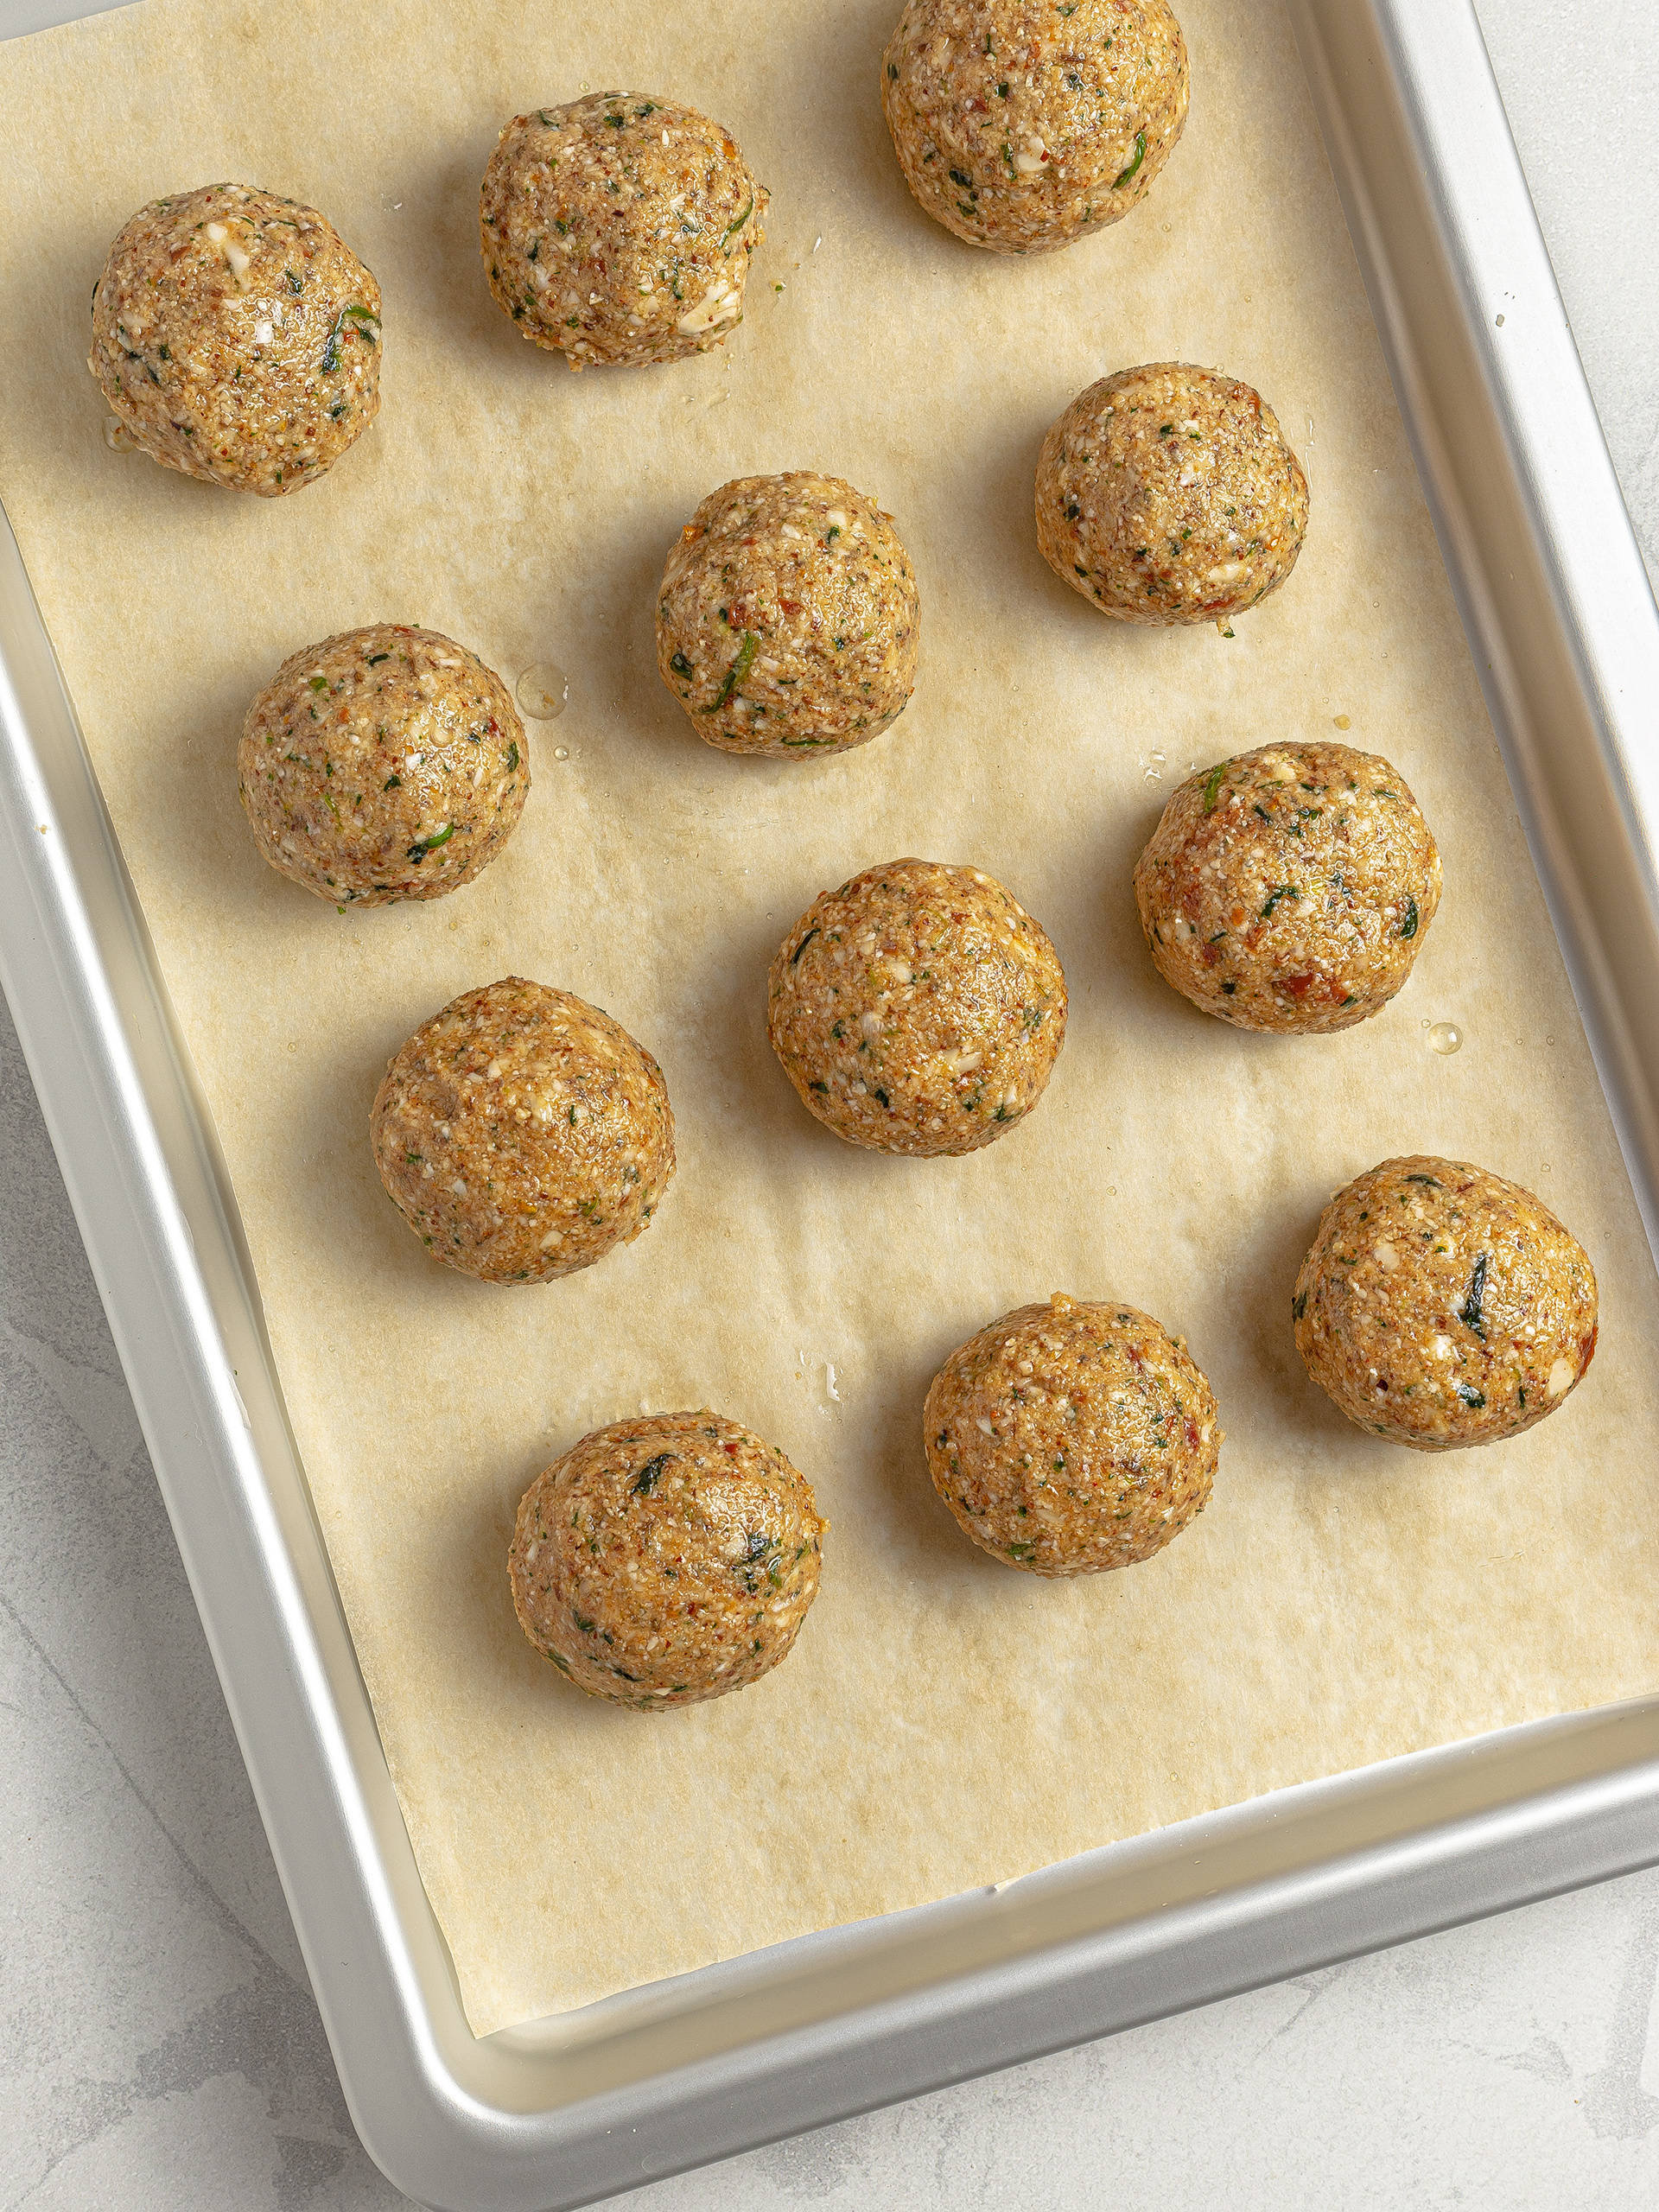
pixel 1168 495
pixel 237 338
pixel 788 622
pixel 665 1561
pixel 522 1133
pixel 1072 1437
pixel 387 763
pixel 1289 888
pixel 619 229
pixel 918 1009
pixel 1021 125
pixel 1442 1306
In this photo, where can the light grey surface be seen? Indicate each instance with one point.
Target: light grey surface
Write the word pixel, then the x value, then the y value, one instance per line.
pixel 159 2044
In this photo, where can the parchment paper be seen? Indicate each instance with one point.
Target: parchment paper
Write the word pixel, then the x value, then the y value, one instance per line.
pixel 944 1722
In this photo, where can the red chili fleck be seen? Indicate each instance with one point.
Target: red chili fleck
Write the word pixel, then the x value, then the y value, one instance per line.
pixel 1296 985
pixel 1191 1433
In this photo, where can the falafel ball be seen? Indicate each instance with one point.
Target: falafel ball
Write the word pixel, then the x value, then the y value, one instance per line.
pixel 1441 1306
pixel 619 228
pixel 1289 888
pixel 522 1133
pixel 237 337
pixel 387 763
pixel 1020 125
pixel 1072 1437
pixel 1168 495
pixel 918 1009
pixel 666 1560
pixel 788 619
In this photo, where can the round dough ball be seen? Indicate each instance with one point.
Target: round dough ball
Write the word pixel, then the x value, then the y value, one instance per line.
pixel 788 619
pixel 619 228
pixel 1168 495
pixel 666 1560
pixel 1020 125
pixel 1072 1437
pixel 237 338
pixel 1289 888
pixel 918 1009
pixel 387 763
pixel 1441 1306
pixel 521 1133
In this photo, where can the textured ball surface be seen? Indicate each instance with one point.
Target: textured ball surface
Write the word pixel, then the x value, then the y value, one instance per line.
pixel 237 338
pixel 1441 1306
pixel 1072 1438
pixel 522 1133
pixel 918 1009
pixel 788 619
pixel 618 229
pixel 1168 495
pixel 666 1560
pixel 1289 888
pixel 1021 125
pixel 385 764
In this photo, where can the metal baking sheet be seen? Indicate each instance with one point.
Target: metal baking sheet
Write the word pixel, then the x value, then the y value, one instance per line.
pixel 1564 635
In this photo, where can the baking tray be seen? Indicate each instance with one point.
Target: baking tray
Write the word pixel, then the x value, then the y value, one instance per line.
pixel 1566 638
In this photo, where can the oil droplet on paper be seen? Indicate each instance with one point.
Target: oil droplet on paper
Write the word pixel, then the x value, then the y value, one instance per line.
pixel 1342 722
pixel 118 438
pixel 561 753
pixel 1445 1037
pixel 542 692
pixel 1153 765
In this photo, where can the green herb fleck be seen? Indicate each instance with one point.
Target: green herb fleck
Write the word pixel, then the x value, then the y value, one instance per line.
pixel 651 1474
pixel 1280 890
pixel 425 845
pixel 1470 1313
pixel 735 674
pixel 366 324
pixel 1123 175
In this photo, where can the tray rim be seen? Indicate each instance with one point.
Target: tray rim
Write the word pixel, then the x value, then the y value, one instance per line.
pixel 463 2122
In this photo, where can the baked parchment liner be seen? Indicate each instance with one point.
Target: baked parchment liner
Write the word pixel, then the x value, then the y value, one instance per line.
pixel 943 1722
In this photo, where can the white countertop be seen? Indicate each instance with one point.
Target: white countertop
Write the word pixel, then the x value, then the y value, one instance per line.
pixel 159 2046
